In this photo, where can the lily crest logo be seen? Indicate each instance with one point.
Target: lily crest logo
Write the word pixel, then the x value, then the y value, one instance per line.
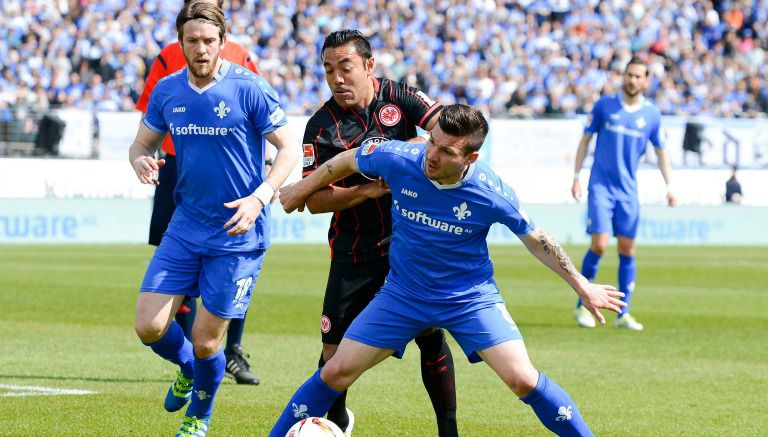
pixel 461 211
pixel 222 110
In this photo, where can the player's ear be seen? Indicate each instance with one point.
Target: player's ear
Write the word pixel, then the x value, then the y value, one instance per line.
pixel 472 157
pixel 369 63
pixel 223 40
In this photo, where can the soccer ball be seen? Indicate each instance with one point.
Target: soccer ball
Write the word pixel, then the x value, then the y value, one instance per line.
pixel 314 427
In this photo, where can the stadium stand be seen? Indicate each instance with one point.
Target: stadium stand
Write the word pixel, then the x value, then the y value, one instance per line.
pixel 546 58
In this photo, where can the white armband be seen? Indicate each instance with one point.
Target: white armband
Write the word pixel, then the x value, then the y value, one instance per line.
pixel 264 193
pixel 576 175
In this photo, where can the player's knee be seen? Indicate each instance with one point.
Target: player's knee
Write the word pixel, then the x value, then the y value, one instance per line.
pixel 599 249
pixel 522 382
pixel 336 375
pixel 206 347
pixel 149 331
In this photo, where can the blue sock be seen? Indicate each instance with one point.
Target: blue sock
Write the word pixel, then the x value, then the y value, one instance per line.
pixel 627 274
pixel 312 399
pixel 589 267
pixel 555 409
pixel 174 347
pixel 234 334
pixel 208 375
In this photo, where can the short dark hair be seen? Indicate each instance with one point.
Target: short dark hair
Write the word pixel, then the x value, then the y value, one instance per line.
pixel 220 3
pixel 201 11
pixel 459 120
pixel 345 36
pixel 637 60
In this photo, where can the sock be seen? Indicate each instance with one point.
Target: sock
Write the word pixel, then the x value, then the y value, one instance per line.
pixel 337 413
pixel 176 349
pixel 234 334
pixel 555 409
pixel 627 274
pixel 589 267
pixel 312 399
pixel 208 375
pixel 186 319
pixel 438 376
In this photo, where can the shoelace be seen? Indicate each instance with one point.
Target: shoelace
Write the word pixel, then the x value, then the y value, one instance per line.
pixel 238 362
pixel 182 385
pixel 193 425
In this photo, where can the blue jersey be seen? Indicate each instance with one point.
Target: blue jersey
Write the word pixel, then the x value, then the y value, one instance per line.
pixel 439 232
pixel 219 134
pixel 622 137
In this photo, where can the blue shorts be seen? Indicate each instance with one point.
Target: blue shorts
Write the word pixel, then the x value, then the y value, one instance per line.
pixel 224 280
pixel 395 316
pixel 606 213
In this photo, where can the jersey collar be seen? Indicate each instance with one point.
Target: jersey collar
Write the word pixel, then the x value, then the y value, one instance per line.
pixel 461 181
pixel 218 77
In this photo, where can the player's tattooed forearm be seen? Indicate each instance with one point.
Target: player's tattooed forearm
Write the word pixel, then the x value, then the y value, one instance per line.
pixel 551 246
pixel 329 167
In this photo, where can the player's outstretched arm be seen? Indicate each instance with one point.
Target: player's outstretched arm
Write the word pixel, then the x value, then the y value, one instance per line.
pixel 551 254
pixel 666 173
pixel 142 154
pixel 342 165
pixel 333 198
pixel 581 154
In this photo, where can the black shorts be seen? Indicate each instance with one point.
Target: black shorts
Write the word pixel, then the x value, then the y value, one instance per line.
pixel 350 288
pixel 163 204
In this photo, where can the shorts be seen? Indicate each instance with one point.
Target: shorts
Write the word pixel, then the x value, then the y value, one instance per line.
pixel 477 320
pixel 224 280
pixel 349 290
pixel 163 204
pixel 605 213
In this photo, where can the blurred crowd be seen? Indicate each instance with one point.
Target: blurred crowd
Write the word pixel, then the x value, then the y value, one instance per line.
pixel 512 58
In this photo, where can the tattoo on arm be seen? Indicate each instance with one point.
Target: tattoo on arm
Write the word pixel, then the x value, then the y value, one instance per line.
pixel 551 246
pixel 329 167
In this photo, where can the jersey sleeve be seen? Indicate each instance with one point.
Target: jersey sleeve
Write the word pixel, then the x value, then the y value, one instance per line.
pixel 267 115
pixel 154 117
pixel 315 146
pixel 375 160
pixel 418 107
pixel 658 135
pixel 595 119
pixel 512 214
pixel 158 71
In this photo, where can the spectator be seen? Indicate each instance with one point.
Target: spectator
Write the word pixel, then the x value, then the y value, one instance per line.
pixel 733 188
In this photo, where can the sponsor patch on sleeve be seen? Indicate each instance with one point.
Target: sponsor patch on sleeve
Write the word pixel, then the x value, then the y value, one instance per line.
pixel 276 116
pixel 309 154
pixel 369 148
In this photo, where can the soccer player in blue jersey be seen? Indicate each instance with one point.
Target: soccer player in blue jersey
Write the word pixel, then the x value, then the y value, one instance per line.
pixel 444 202
pixel 624 124
pixel 219 116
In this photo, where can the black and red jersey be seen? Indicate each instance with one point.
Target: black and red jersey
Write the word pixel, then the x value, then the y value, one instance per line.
pixel 363 231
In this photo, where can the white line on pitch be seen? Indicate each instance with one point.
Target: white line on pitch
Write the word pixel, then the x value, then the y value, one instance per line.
pixel 33 390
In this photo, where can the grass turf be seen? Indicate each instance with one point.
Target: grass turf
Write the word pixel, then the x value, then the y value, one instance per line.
pixel 699 368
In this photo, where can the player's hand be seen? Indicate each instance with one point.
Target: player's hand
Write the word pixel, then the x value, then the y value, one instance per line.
pixel 248 210
pixel 377 188
pixel 146 168
pixel 292 199
pixel 597 296
pixel 576 190
pixel 671 199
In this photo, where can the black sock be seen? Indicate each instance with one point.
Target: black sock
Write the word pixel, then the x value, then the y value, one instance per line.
pixel 187 319
pixel 234 334
pixel 338 411
pixel 439 380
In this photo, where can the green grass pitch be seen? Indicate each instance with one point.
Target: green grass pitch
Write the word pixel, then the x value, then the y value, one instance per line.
pixel 699 368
